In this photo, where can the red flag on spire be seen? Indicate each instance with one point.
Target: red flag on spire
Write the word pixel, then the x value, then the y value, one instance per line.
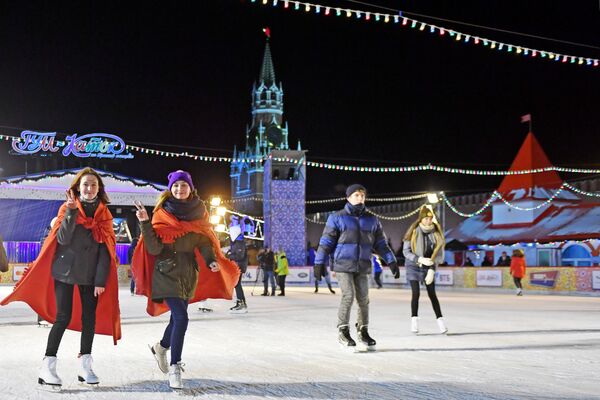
pixel 525 118
pixel 267 32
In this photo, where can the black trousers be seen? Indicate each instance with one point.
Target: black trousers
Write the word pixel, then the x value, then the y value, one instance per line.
pixel 64 309
pixel 416 291
pixel 281 282
pixel 377 278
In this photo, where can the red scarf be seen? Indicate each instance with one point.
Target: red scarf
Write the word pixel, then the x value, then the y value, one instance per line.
pixel 36 287
pixel 211 285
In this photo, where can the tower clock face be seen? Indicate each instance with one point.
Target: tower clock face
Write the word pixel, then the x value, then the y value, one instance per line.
pixel 274 136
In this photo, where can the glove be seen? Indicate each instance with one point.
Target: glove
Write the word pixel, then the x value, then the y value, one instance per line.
pixel 395 270
pixel 430 276
pixel 425 261
pixel 318 271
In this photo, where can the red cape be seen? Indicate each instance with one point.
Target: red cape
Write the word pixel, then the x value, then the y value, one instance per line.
pixel 36 287
pixel 211 285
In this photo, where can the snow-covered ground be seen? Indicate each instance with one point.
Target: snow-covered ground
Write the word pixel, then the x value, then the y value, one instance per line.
pixel 499 347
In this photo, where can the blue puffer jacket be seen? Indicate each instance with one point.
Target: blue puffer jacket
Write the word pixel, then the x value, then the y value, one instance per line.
pixel 352 235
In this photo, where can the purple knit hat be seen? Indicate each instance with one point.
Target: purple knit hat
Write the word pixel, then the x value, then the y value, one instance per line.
pixel 180 175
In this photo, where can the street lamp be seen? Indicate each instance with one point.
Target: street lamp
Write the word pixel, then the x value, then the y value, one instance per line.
pixel 215 201
pixel 433 198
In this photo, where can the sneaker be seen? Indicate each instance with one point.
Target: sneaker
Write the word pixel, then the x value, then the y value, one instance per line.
pixel 442 325
pixel 344 337
pixel 365 342
pixel 175 371
pixel 160 354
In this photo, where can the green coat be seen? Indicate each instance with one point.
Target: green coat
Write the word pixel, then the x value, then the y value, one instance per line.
pixel 181 278
pixel 282 264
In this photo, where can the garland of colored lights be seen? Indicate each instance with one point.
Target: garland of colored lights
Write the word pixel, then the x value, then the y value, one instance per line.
pixel 395 218
pixel 574 189
pixel 414 168
pixel 334 200
pixel 468 215
pixel 545 203
pixel 421 26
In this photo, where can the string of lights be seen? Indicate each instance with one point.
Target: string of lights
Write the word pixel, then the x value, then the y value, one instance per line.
pixel 351 168
pixel 442 32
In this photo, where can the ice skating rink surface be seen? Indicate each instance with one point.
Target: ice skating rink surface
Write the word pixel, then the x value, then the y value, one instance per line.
pixel 499 346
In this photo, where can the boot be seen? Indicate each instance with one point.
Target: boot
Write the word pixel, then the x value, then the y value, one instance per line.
pixel 344 337
pixel 175 371
pixel 273 292
pixel 240 307
pixel 365 342
pixel 281 294
pixel 519 292
pixel 86 374
pixel 442 325
pixel 331 290
pixel 160 354
pixel 414 324
pixel 48 374
pixel 265 294
pixel 316 289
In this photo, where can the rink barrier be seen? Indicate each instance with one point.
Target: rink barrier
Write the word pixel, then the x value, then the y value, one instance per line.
pixel 563 279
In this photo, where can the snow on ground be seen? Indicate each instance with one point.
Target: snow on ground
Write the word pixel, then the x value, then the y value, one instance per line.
pixel 499 347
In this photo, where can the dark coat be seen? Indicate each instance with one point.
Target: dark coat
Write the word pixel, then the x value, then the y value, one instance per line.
pixel 79 259
pixel 352 237
pixel 179 277
pixel 266 260
pixel 239 254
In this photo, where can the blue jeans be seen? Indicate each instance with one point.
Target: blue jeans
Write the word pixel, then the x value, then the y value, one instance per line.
pixel 175 332
pixel 269 276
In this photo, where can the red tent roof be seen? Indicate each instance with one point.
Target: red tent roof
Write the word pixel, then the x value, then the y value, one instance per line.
pixel 530 156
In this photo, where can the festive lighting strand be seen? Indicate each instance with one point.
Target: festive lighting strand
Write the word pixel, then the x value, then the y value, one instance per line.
pixel 545 203
pixel 338 199
pixel 405 169
pixel 574 189
pixel 394 218
pixel 468 215
pixel 441 31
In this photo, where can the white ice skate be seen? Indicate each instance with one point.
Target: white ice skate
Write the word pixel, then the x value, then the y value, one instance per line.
pixel 175 371
pixel 48 375
pixel 442 325
pixel 160 354
pixel 86 374
pixel 414 325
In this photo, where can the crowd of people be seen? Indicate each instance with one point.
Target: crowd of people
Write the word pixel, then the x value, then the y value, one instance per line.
pixel 178 260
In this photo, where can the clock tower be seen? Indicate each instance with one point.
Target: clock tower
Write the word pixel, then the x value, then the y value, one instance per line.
pixel 266 132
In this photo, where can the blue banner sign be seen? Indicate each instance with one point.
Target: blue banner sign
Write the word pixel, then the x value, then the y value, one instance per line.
pixel 93 145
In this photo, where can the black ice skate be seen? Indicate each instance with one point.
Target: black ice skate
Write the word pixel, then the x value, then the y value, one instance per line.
pixel 365 342
pixel 345 339
pixel 239 308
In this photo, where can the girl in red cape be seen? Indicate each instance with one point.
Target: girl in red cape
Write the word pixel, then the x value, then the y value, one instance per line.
pixel 79 255
pixel 178 261
pixel 517 269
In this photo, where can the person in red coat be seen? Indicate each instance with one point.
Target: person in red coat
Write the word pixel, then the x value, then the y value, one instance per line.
pixel 517 269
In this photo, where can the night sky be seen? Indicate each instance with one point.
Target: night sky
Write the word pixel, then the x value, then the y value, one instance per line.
pixel 180 74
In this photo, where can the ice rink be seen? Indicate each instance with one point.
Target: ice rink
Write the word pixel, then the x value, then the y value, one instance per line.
pixel 499 346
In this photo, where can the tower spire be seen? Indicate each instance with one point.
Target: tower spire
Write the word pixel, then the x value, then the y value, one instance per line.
pixel 267 71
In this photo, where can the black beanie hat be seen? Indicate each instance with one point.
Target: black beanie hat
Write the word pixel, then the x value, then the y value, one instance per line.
pixel 354 188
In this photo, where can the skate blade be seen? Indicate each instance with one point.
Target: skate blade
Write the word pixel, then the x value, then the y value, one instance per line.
pixel 238 312
pixel 351 349
pixel 49 387
pixel 82 380
pixel 363 348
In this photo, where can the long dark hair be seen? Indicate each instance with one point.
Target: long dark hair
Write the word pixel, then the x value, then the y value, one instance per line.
pixel 77 180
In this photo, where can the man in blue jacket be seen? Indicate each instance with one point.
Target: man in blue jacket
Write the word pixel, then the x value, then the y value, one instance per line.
pixel 352 235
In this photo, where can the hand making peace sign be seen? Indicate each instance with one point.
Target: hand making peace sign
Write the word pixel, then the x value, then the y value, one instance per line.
pixel 71 199
pixel 141 213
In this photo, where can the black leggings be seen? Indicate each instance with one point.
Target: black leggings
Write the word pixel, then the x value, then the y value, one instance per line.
pixel 518 282
pixel 64 308
pixel 414 303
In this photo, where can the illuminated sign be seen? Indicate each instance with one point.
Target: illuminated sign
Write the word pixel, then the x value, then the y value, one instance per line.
pixel 93 145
